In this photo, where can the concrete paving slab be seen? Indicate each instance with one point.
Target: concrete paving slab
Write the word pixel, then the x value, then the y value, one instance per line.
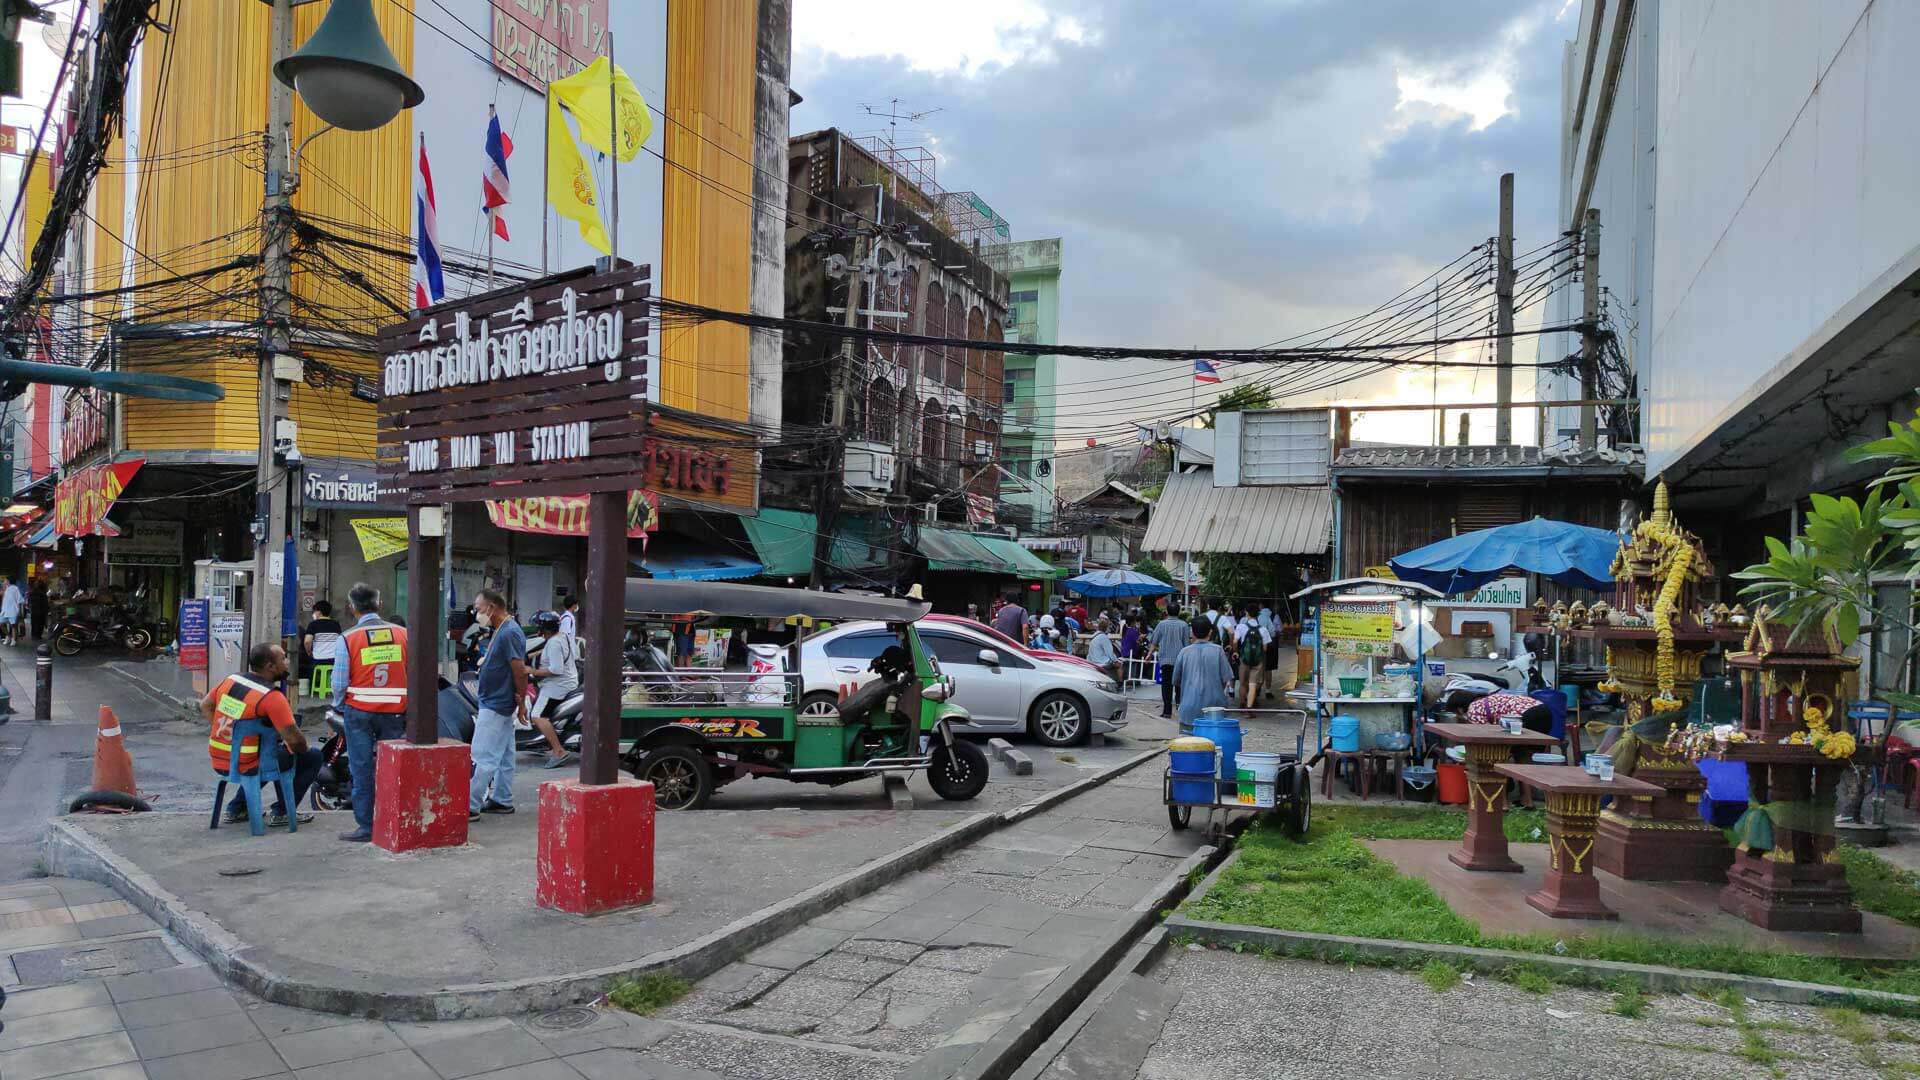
pixel 56 999
pixel 324 1046
pixel 624 1065
pixel 476 1053
pixel 188 1036
pixel 150 984
pixel 57 1026
pixel 195 1005
pixel 393 1065
pixel 95 960
pixel 72 1055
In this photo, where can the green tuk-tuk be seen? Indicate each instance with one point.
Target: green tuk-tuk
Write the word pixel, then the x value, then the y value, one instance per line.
pixel 694 729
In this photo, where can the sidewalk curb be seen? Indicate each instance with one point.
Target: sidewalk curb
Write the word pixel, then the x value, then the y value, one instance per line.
pixel 188 710
pixel 1139 960
pixel 1023 1030
pixel 1493 961
pixel 71 852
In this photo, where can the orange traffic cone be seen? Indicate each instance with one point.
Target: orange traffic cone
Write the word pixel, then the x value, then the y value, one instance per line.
pixel 112 766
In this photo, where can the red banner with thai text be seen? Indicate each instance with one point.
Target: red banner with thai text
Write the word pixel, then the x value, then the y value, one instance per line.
pixel 81 501
pixel 566 515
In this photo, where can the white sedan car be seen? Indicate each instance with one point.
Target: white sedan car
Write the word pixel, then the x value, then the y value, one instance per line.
pixel 1058 702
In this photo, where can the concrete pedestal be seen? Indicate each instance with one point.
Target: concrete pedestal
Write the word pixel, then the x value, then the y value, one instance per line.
pixel 1484 847
pixel 1571 891
pixel 1662 837
pixel 1790 896
pixel 596 846
pixel 420 795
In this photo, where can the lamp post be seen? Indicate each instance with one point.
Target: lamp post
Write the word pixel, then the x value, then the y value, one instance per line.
pixel 350 79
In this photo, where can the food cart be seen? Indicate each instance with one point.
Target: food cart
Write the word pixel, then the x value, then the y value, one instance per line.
pixel 1353 650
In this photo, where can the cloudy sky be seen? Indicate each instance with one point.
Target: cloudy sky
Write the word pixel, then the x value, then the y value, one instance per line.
pixel 1224 174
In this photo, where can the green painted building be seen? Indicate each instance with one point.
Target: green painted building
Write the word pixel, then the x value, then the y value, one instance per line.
pixel 1032 268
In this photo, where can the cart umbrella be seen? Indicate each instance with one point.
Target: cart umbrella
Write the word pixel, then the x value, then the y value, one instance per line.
pixel 1111 584
pixel 1560 551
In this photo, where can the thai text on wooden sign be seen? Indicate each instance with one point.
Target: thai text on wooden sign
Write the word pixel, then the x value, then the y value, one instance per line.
pixel 535 390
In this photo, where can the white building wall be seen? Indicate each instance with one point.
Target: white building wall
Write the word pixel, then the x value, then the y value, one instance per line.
pixel 1787 158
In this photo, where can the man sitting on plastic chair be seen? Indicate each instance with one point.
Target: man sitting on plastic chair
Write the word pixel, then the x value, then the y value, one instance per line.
pixel 255 696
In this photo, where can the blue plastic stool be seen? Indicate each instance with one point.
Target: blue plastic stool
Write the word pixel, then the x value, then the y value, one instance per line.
pixel 267 768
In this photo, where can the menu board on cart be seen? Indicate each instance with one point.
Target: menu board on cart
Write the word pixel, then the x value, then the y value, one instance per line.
pixel 1358 629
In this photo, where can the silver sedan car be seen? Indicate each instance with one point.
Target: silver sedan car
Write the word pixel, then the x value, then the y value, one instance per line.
pixel 1058 702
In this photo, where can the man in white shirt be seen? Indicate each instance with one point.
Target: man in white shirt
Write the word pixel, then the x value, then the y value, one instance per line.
pixel 1100 650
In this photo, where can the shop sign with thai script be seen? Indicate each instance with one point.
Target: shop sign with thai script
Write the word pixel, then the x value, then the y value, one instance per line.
pixel 146 543
pixel 351 487
pixel 530 391
pixel 81 501
pixel 83 423
pixel 566 515
pixel 538 41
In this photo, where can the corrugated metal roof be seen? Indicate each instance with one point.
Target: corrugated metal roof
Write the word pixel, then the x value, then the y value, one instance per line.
pixel 1193 515
pixel 1488 458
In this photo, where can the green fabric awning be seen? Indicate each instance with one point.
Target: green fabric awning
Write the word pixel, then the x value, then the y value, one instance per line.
pixel 950 549
pixel 1026 565
pixel 784 541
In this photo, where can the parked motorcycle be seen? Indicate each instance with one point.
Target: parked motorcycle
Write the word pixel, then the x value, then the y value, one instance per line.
pixel 72 634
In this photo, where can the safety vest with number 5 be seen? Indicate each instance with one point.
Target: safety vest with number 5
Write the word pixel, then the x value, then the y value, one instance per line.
pixel 377 668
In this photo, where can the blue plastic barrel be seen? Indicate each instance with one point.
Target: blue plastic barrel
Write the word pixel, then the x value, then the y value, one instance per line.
pixel 1345 732
pixel 1223 731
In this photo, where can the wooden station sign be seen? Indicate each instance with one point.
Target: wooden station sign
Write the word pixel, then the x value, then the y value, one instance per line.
pixel 538 389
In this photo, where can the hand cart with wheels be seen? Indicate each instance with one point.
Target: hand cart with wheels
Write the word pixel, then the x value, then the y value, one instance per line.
pixel 1289 793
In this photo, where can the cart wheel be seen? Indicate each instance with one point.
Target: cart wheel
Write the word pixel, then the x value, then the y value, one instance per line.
pixel 1300 809
pixel 1179 816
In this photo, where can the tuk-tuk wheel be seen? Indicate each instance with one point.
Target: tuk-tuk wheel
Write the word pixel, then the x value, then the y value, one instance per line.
pixel 681 777
pixel 957 772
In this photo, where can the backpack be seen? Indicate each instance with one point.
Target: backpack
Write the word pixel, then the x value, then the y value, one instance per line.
pixel 1251 650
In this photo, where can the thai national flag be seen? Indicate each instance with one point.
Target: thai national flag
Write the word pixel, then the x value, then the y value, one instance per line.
pixel 1203 372
pixel 495 189
pixel 429 287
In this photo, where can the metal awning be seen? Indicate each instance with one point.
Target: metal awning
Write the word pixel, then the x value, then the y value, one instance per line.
pixel 1193 515
pixel 687 566
pixel 784 541
pixel 950 549
pixel 1026 565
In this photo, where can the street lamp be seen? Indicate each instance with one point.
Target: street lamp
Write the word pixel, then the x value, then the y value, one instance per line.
pixel 345 72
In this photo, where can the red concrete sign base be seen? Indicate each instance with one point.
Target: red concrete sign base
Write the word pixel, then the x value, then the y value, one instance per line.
pixel 420 795
pixel 596 846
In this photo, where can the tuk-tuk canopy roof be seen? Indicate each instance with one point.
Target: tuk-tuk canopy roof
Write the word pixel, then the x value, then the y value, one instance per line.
pixel 657 596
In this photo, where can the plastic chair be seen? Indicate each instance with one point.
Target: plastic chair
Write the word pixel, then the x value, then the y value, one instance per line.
pixel 268 768
pixel 321 678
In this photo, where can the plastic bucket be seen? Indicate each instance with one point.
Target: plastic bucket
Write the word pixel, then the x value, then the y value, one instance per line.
pixel 1224 732
pixel 1419 782
pixel 1256 771
pixel 1191 755
pixel 1193 787
pixel 1345 733
pixel 1451 782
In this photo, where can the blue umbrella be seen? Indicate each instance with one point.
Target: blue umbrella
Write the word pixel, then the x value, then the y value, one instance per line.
pixel 1109 584
pixel 1569 554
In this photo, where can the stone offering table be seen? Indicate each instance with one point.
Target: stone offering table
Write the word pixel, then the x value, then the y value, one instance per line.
pixel 1573 809
pixel 1485 845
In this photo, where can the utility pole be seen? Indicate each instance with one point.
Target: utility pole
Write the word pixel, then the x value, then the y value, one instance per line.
pixel 276 337
pixel 908 435
pixel 1503 297
pixel 827 501
pixel 1590 330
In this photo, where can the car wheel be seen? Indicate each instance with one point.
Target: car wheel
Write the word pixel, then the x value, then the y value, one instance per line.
pixel 957 772
pixel 680 775
pixel 820 703
pixel 1060 719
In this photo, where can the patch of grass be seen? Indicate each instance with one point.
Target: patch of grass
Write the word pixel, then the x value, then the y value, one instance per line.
pixel 648 993
pixel 1629 1001
pixel 1851 1026
pixel 1523 826
pixel 1440 976
pixel 1329 883
pixel 1527 977
pixel 1879 886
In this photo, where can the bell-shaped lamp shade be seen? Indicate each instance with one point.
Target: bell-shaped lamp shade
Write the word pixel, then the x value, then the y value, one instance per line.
pixel 345 72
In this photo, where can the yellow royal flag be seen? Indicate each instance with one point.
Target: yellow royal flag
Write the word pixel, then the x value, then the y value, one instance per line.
pixel 585 95
pixel 570 183
pixel 380 537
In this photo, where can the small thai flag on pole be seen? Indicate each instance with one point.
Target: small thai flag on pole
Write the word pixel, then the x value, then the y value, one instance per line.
pixel 1203 372
pixel 494 186
pixel 429 286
